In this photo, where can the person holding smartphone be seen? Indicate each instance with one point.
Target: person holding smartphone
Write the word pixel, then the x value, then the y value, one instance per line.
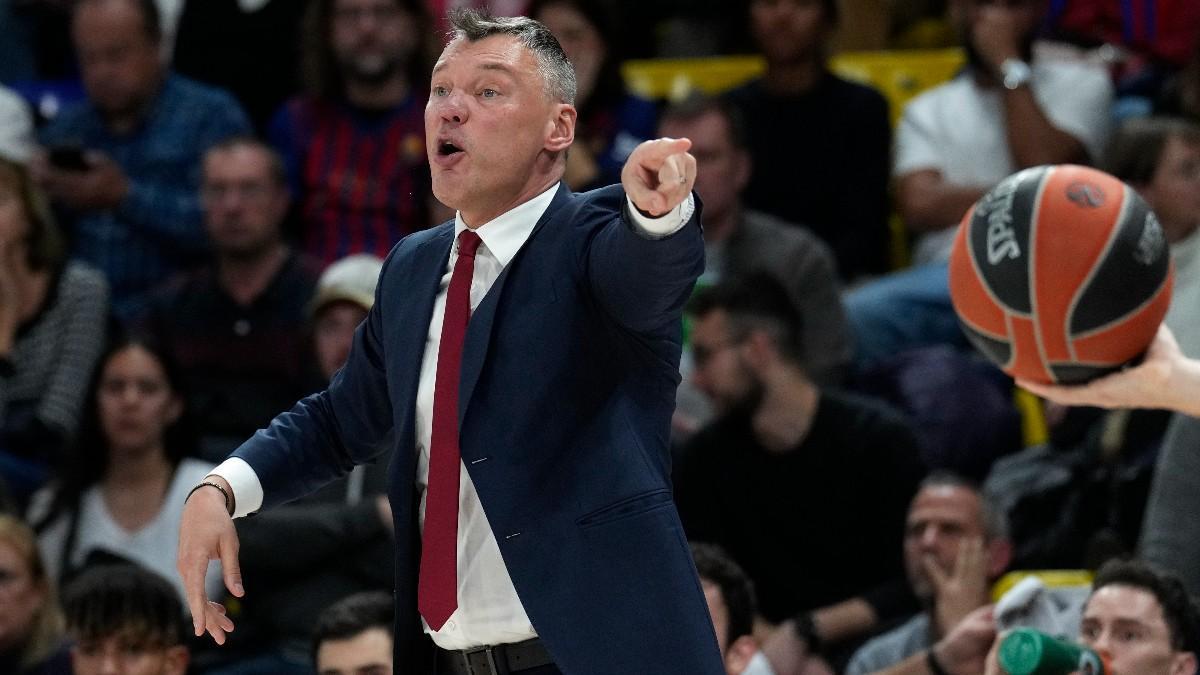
pixel 124 165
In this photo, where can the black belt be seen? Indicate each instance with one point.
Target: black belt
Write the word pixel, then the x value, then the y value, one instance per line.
pixel 493 660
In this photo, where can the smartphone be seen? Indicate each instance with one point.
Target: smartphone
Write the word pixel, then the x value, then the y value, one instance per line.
pixel 69 158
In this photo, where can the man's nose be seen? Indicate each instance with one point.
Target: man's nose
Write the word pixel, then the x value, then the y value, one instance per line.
pixel 452 108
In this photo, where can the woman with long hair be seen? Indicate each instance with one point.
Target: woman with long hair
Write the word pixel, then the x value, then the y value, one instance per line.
pixel 31 623
pixel 52 327
pixel 123 495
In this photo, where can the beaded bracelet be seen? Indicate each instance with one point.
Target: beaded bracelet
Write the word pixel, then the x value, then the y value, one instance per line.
pixel 224 493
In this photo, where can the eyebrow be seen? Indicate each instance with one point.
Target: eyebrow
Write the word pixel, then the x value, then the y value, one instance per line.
pixel 488 65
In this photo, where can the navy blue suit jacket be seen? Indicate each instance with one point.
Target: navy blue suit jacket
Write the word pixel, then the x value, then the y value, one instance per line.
pixel 569 373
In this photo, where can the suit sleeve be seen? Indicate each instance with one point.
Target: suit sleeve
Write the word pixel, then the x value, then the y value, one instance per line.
pixel 642 279
pixel 325 435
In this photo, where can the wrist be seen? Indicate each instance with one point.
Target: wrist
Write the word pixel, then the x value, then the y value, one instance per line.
pixel 213 487
pixel 804 626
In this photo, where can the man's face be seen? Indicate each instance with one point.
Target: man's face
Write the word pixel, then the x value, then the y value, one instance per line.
pixel 720 370
pixel 127 654
pixel 1174 190
pixel 488 124
pixel 1126 623
pixel 244 203
pixel 119 64
pixel 368 653
pixel 722 169
pixel 371 39
pixel 788 30
pixel 940 519
pixel 1026 15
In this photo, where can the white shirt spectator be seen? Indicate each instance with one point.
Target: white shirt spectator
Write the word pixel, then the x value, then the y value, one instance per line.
pixel 16 127
pixel 958 129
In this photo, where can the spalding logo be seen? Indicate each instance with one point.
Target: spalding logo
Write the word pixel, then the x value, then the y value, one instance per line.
pixel 1086 194
pixel 1001 239
pixel 1151 242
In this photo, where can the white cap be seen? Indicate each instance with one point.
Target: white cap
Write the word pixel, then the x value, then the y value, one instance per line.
pixel 351 279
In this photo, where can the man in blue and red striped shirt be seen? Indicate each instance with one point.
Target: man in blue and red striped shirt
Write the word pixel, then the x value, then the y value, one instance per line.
pixel 354 144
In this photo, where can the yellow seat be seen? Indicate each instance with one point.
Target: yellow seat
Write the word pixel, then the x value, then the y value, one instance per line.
pixel 1051 578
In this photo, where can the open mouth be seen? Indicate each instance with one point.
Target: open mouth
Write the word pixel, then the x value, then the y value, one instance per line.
pixel 448 149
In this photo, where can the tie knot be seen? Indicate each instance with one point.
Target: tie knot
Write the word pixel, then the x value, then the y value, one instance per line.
pixel 468 243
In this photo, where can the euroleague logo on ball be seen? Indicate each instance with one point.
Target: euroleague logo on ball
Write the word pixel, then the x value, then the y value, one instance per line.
pixel 1086 194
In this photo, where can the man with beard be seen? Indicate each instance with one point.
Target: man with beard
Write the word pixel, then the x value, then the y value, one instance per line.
pixel 1009 109
pixel 354 144
pixel 805 488
pixel 237 327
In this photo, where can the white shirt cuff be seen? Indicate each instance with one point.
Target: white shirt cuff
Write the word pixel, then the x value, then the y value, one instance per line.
pixel 247 490
pixel 668 223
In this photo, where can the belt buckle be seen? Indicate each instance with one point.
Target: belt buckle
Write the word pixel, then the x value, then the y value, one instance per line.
pixel 489 652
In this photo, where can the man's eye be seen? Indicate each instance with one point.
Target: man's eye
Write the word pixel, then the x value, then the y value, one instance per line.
pixel 489 93
pixel 440 91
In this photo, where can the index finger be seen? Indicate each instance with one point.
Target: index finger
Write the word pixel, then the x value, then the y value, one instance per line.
pixel 659 150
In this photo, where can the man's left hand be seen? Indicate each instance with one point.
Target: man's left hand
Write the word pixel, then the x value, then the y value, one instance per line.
pixel 659 175
pixel 103 185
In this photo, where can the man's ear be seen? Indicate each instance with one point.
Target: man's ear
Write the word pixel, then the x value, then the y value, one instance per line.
pixel 1184 663
pixel 739 654
pixel 1000 555
pixel 561 132
pixel 759 350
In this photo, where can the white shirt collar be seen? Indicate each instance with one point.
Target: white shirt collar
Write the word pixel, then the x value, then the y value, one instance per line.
pixel 505 234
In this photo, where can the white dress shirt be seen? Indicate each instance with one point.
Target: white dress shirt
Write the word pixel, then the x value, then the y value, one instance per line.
pixel 489 610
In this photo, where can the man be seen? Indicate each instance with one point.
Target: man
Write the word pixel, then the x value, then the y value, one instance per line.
pixel 566 372
pixel 1141 621
pixel 955 545
pixel 125 620
pixel 1009 109
pixel 782 451
pixel 354 636
pixel 739 241
pixel 352 143
pixel 127 162
pixel 819 142
pixel 236 327
pixel 730 596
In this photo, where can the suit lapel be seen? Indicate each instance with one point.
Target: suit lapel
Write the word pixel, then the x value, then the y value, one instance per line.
pixel 481 327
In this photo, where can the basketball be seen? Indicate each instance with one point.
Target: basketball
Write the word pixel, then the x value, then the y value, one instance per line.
pixel 1060 274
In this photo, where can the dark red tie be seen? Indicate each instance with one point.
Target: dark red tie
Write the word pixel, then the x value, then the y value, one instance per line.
pixel 437 589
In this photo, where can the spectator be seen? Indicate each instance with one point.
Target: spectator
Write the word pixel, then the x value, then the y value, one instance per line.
pixel 730 596
pixel 345 293
pixel 740 241
pixel 16 127
pixel 1160 158
pixel 611 121
pixel 122 497
pixel 303 556
pixel 354 144
pixel 249 48
pixel 236 326
pixel 125 620
pixel 955 545
pixel 1007 110
pixel 31 640
pixel 132 193
pixel 354 636
pixel 52 327
pixel 782 448
pixel 801 109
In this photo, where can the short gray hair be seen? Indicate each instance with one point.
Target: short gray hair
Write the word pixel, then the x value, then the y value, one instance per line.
pixel 556 69
pixel 995 520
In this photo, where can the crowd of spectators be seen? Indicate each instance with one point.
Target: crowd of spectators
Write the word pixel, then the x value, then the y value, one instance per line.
pixel 196 198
